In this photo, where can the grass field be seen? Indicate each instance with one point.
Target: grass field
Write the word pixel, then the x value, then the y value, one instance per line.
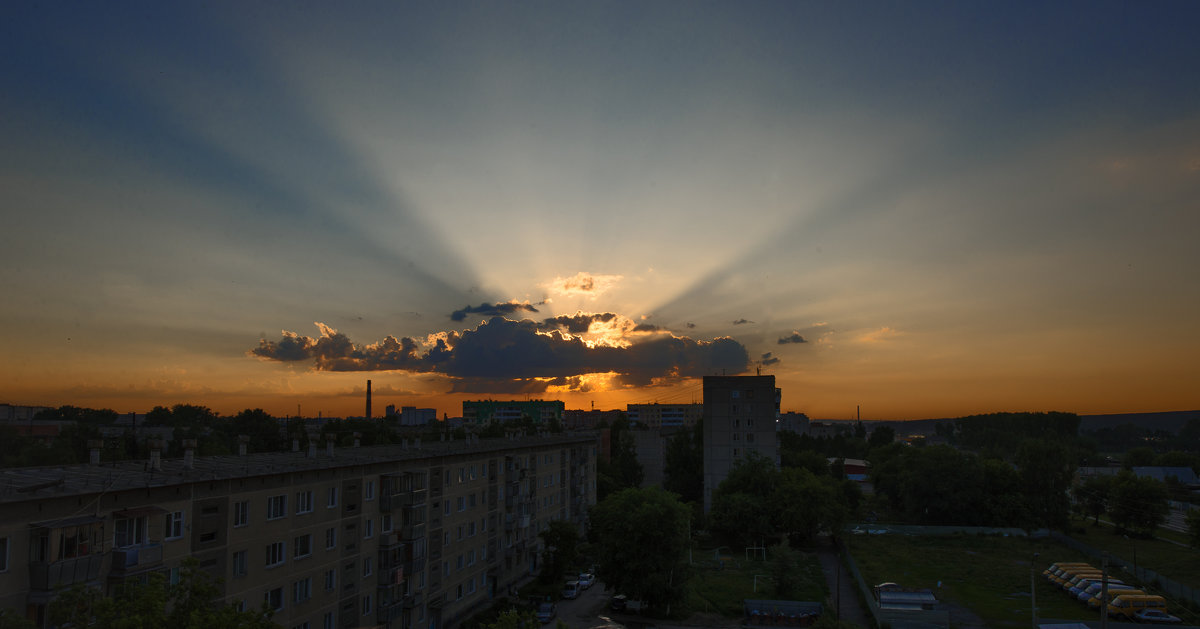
pixel 721 590
pixel 990 575
pixel 1177 562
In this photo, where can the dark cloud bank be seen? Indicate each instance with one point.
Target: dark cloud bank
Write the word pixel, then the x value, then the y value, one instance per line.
pixel 504 356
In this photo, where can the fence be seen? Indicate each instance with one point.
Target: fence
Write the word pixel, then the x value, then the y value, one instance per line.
pixel 1170 587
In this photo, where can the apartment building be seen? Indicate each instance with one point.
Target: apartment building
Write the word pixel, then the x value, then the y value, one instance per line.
pixel 655 416
pixel 740 413
pixel 408 535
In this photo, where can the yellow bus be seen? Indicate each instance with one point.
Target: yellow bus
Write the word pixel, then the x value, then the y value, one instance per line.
pixel 1055 568
pixel 1126 605
pixel 1070 573
pixel 1113 592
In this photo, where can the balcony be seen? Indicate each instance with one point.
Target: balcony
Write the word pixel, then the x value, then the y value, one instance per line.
pixel 412 498
pixel 136 559
pixel 48 576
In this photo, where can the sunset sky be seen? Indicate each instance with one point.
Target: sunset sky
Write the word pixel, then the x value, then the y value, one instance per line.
pixel 926 209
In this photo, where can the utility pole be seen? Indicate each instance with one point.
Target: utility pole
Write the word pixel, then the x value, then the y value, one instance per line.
pixel 1104 592
pixel 1033 590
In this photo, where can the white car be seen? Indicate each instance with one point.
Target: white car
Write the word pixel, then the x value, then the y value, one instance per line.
pixel 586 580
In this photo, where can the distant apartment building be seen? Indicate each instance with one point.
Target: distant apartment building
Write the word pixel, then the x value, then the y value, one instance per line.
pixel 413 416
pixel 739 417
pixel 576 419
pixel 13 413
pixel 410 535
pixel 793 422
pixel 655 416
pixel 486 411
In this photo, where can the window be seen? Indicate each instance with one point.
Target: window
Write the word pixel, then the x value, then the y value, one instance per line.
pixel 470 558
pixel 276 554
pixel 173 526
pixel 459 591
pixel 369 490
pixel 327 623
pixel 459 564
pixel 368 528
pixel 735 452
pixel 331 538
pixel 735 394
pixel 750 437
pixel 462 474
pixel 366 566
pixel 304 501
pixel 3 554
pixel 302 546
pixel 330 580
pixel 460 532
pixel 173 576
pixel 239 563
pixel 302 590
pixel 446 511
pixel 472 501
pixel 331 499
pixel 471 529
pixel 462 503
pixel 303 625
pixel 276 507
pixel 130 532
pixel 241 513
pixel 366 605
pixel 274 599
pixel 386 523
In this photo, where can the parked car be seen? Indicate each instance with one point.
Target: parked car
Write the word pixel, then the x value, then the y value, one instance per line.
pixel 571 589
pixel 587 580
pixel 1156 615
pixel 617 604
pixel 546 612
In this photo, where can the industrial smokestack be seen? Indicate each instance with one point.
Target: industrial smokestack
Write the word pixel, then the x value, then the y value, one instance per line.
pixel 368 399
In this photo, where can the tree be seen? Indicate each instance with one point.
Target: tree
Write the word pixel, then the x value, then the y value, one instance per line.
pixel 642 540
pixel 1092 495
pixel 1047 470
pixel 785 571
pixel 514 619
pixel 623 470
pixel 1138 505
pixel 684 464
pixel 881 436
pixel 1193 525
pixel 154 604
pixel 562 548
pixel 1138 457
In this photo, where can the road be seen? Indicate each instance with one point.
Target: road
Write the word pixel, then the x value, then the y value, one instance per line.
pixel 589 611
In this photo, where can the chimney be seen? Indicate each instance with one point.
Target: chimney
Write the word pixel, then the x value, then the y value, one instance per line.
pixel 156 454
pixel 243 441
pixel 189 453
pixel 94 446
pixel 329 439
pixel 368 399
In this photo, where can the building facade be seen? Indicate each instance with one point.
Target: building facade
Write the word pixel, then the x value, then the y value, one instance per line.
pixel 740 413
pixel 410 535
pixel 656 416
pixel 483 412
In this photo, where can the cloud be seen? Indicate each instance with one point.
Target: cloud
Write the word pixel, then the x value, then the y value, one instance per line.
pixel 502 355
pixel 879 336
pixel 742 322
pixel 492 310
pixel 768 359
pixel 584 283
pixel 578 323
pixel 793 338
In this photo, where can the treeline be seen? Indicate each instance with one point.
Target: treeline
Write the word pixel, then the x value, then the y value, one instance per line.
pixel 214 434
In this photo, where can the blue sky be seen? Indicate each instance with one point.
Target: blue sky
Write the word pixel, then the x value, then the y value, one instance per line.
pixel 958 207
